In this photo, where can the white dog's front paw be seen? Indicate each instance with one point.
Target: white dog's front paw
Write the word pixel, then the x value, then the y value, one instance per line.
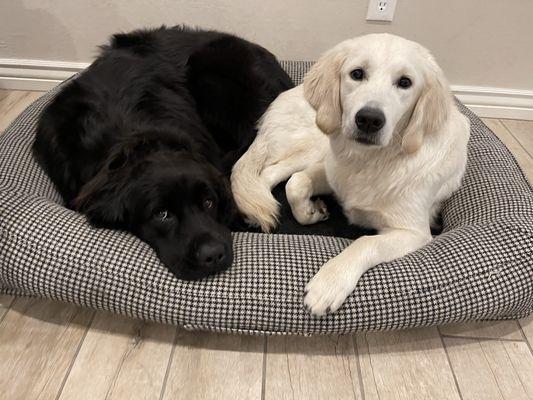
pixel 327 290
pixel 299 191
pixel 310 212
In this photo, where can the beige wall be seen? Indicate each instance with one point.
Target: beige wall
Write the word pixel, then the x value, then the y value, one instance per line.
pixel 477 42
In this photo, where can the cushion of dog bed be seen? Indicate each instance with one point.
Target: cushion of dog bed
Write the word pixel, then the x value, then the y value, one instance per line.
pixel 480 267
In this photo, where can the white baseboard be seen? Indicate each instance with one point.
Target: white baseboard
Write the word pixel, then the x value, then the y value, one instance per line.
pixel 493 102
pixel 17 74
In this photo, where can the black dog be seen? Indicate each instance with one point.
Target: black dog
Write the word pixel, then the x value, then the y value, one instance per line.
pixel 143 140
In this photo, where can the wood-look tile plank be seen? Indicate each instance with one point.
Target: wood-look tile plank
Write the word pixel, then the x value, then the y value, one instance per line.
pixel 3 94
pixel 522 360
pixel 491 369
pixel 5 302
pixel 38 342
pixel 120 358
pixel 215 366
pixel 320 367
pixel 409 365
pixel 522 157
pixel 487 329
pixel 522 131
pixel 13 104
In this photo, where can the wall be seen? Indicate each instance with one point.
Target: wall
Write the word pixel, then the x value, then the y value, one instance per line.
pixel 485 49
pixel 484 43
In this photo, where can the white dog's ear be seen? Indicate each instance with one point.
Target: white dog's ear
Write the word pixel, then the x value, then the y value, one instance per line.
pixel 431 110
pixel 322 90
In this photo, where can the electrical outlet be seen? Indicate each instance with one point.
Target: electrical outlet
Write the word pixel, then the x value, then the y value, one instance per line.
pixel 381 10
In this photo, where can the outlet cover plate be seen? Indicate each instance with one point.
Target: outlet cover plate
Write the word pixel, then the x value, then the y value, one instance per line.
pixel 381 10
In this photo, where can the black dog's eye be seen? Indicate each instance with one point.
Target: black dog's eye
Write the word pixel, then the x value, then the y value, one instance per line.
pixel 163 216
pixel 208 204
pixel 404 82
pixel 357 74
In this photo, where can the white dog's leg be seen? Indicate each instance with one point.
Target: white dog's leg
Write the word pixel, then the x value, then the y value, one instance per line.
pixel 301 187
pixel 279 172
pixel 337 278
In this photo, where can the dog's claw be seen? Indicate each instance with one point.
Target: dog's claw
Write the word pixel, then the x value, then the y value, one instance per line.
pixel 321 207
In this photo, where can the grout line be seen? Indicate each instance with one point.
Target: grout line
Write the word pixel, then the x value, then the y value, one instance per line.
pixel 8 308
pixel 371 366
pixel 449 363
pixel 69 370
pixel 169 364
pixel 515 138
pixel 289 372
pixel 525 337
pixel 481 338
pixel 359 373
pixel 263 377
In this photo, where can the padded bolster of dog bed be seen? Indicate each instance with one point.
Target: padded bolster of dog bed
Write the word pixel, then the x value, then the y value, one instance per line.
pixel 480 267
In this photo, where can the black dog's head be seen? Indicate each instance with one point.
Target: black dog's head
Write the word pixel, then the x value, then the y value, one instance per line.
pixel 172 199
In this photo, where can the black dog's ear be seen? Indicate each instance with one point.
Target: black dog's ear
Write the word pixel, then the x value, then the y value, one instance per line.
pixel 103 198
pixel 127 153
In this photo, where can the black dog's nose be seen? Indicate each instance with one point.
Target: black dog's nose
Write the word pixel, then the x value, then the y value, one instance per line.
pixel 369 120
pixel 212 255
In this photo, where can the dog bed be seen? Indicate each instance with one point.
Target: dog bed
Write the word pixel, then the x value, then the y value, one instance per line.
pixel 480 267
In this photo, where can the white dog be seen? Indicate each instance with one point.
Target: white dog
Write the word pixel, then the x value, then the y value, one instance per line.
pixel 374 123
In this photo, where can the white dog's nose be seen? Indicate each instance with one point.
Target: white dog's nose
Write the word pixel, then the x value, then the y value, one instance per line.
pixel 369 120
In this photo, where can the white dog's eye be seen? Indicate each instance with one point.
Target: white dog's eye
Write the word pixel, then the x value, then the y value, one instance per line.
pixel 357 74
pixel 404 82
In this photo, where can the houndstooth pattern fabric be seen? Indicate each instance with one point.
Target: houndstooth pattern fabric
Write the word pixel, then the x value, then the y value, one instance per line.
pixel 480 267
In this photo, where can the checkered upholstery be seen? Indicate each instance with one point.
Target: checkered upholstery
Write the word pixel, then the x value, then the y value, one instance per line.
pixel 480 267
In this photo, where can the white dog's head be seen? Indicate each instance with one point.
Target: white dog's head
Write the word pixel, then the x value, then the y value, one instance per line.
pixel 379 89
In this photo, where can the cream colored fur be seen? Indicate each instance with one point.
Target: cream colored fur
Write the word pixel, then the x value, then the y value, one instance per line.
pixel 395 186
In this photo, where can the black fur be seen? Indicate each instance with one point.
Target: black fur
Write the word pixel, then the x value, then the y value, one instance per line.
pixel 145 138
